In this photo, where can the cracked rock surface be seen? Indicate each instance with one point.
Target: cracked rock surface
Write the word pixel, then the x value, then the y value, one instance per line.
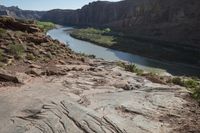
pixel 105 99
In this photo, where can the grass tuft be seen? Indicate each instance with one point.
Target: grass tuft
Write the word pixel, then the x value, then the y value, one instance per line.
pixel 192 84
pixel 130 67
pixel 2 32
pixel 45 26
pixel 94 35
pixel 17 50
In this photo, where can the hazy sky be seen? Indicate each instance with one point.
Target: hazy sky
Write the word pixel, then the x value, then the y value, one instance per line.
pixel 46 4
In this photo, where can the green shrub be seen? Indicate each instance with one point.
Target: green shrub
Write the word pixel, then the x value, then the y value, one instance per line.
pixel 177 81
pixel 196 93
pixel 87 55
pixel 190 83
pixel 2 32
pixel 45 26
pixel 94 35
pixel 130 67
pixel 120 64
pixel 19 33
pixel 1 55
pixel 30 57
pixel 16 50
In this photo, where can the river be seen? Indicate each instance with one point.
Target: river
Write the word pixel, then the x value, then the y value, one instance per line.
pixel 151 65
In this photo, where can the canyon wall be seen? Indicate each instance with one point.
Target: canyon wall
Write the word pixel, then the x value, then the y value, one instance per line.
pixel 177 20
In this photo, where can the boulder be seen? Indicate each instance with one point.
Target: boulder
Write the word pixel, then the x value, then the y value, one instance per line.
pixel 13 24
pixel 8 76
pixel 34 71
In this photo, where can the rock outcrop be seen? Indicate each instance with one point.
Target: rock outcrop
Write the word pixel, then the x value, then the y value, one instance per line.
pixel 13 24
pixel 95 99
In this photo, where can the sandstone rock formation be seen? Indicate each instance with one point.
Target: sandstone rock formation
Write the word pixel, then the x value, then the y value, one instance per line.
pixel 12 24
pixel 88 101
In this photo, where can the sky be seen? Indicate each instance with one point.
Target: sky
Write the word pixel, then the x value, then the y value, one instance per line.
pixel 46 4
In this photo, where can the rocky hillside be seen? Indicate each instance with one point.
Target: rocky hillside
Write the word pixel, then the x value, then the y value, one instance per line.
pixel 47 88
pixel 161 29
pixel 23 42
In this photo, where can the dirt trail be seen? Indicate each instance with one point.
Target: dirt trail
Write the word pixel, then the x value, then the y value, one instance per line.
pixel 100 99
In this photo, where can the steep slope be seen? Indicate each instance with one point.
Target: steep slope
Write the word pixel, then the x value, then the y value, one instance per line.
pixel 161 29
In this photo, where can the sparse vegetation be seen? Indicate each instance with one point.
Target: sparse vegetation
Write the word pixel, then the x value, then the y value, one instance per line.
pixel 2 32
pixel 191 84
pixel 196 93
pixel 45 26
pixel 86 55
pixel 30 56
pixel 94 35
pixel 1 55
pixel 130 67
pixel 16 50
pixel 3 59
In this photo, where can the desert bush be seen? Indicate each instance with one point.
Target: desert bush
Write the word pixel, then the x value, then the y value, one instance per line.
pixel 1 55
pixel 2 32
pixel 45 26
pixel 130 67
pixel 196 93
pixel 191 84
pixel 177 81
pixel 16 49
pixel 30 56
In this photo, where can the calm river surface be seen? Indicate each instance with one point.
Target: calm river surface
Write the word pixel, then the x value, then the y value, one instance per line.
pixel 62 34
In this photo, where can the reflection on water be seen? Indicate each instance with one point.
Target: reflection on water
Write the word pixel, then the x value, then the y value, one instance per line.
pixel 62 34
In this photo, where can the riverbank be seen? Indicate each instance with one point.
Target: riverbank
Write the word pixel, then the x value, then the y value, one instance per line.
pixel 155 49
pixel 45 26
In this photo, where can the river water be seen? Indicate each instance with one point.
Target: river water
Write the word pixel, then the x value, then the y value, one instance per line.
pixel 62 34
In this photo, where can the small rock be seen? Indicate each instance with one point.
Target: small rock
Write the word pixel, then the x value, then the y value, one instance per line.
pixel 28 61
pixel 35 66
pixel 34 71
pixel 61 62
pixel 8 76
pixel 128 87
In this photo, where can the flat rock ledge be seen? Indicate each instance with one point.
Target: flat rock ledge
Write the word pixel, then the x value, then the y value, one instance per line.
pixel 107 100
